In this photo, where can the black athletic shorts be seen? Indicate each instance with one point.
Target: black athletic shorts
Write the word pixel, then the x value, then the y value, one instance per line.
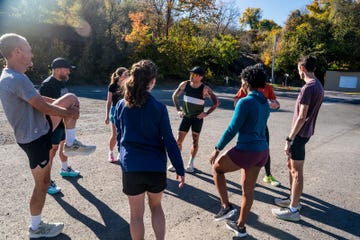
pixel 38 150
pixel 58 135
pixel 135 183
pixel 194 123
pixel 297 149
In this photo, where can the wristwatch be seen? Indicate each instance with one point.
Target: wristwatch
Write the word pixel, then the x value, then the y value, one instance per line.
pixel 289 139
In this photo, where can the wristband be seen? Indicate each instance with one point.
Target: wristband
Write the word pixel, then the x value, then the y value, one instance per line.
pixel 289 139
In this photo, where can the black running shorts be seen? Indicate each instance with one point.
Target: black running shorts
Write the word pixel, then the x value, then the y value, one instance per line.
pixel 38 150
pixel 194 123
pixel 135 183
pixel 58 135
pixel 297 148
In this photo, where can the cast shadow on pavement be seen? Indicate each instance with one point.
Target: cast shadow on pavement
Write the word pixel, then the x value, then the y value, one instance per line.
pixel 115 227
pixel 320 211
pixel 210 203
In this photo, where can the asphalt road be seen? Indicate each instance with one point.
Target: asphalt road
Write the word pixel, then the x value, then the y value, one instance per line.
pixel 94 207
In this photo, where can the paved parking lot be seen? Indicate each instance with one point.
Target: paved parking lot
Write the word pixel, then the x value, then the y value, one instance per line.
pixel 94 207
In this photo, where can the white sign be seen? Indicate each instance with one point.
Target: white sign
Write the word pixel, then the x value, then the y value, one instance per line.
pixel 348 82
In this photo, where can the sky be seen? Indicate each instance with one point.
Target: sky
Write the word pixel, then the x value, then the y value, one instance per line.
pixel 277 10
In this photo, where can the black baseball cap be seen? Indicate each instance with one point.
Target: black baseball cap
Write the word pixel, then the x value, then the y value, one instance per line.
pixel 198 70
pixel 61 63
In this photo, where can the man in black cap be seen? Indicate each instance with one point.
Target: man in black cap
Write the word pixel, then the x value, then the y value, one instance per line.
pixel 54 87
pixel 192 112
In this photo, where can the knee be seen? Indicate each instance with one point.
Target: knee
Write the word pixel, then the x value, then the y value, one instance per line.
pixel 296 175
pixel 216 170
pixel 54 148
pixel 72 98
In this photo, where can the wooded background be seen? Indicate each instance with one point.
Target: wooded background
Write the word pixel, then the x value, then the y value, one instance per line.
pixel 100 35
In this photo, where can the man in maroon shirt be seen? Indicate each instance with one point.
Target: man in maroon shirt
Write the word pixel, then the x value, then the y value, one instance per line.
pixel 305 113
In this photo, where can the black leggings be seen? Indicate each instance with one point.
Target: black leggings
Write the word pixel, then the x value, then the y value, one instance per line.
pixel 267 165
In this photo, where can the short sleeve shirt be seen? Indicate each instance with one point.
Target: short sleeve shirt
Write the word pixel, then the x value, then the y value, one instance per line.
pixel 311 94
pixel 116 94
pixel 16 90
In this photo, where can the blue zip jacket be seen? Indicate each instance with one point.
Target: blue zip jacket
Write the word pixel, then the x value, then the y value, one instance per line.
pixel 144 136
pixel 249 122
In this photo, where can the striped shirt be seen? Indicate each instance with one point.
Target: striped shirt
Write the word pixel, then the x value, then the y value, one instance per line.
pixel 194 100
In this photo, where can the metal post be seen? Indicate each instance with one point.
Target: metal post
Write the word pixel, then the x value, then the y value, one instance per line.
pixel 273 61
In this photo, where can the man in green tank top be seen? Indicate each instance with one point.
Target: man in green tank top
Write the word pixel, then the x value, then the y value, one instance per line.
pixel 192 112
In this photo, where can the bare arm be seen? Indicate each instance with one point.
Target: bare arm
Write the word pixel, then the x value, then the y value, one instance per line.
pixel 108 105
pixel 213 98
pixel 48 99
pixel 40 103
pixel 299 123
pixel 176 94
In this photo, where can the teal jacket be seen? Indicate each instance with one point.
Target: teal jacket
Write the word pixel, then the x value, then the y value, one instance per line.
pixel 249 122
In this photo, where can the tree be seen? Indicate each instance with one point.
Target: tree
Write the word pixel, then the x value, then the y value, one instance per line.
pixel 251 18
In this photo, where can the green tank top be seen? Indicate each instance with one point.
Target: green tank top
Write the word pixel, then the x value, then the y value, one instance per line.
pixel 194 101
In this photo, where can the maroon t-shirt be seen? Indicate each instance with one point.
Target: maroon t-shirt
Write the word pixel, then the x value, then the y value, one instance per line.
pixel 311 94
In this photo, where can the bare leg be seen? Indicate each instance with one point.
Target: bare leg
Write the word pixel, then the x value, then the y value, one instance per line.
pixel 112 140
pixel 157 215
pixel 42 181
pixel 195 144
pixel 63 157
pixel 297 185
pixel 223 165
pixel 137 209
pixel 248 181
pixel 180 138
pixel 65 101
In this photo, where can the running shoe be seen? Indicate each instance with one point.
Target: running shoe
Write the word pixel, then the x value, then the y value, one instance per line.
pixel 53 189
pixel 111 157
pixel 286 214
pixel 78 149
pixel 69 172
pixel 171 168
pixel 240 232
pixel 225 213
pixel 46 230
pixel 270 179
pixel 284 203
pixel 190 168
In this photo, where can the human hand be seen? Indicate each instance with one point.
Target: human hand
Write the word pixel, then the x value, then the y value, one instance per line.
pixel 180 113
pixel 107 121
pixel 213 156
pixel 182 180
pixel 275 105
pixel 201 115
pixel 287 149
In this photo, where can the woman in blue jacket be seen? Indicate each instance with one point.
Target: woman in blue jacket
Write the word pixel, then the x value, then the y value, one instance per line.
pixel 144 137
pixel 250 152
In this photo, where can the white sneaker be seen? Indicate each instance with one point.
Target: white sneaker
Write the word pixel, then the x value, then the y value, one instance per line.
pixel 46 230
pixel 171 168
pixel 190 168
pixel 78 149
pixel 284 203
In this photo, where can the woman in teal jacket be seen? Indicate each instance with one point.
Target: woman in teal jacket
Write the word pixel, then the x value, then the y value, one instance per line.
pixel 250 152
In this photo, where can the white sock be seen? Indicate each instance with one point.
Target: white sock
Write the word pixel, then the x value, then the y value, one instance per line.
pixel 293 209
pixel 35 222
pixel 64 165
pixel 70 136
pixel 191 161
